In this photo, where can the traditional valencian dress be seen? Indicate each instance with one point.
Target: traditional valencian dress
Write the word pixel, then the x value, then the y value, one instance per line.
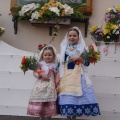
pixel 76 96
pixel 43 97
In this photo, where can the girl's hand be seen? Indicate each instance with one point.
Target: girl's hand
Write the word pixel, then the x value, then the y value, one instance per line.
pixel 44 76
pixel 76 58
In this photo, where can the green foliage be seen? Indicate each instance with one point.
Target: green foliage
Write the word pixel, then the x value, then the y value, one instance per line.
pixel 28 63
pixel 91 55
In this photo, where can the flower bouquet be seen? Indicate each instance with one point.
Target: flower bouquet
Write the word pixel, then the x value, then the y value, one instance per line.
pixel 91 54
pixel 2 30
pixel 29 63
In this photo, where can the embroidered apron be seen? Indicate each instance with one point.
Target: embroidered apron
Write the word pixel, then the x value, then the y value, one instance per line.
pixel 70 83
pixel 44 91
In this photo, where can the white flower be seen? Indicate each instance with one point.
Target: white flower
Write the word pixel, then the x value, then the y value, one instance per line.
pixel 35 16
pixel 3 29
pixel 108 37
pixel 114 9
pixel 55 10
pixel 68 9
pixel 20 13
pixel 114 31
pixel 117 33
pixel 27 8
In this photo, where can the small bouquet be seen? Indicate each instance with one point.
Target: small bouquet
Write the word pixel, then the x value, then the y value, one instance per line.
pixel 2 30
pixel 91 54
pixel 29 63
pixel 40 46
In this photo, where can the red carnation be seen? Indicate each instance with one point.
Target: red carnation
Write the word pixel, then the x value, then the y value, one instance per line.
pixel 92 60
pixel 23 60
pixel 45 45
pixel 40 46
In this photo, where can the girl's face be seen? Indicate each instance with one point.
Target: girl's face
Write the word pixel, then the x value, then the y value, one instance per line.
pixel 72 37
pixel 48 56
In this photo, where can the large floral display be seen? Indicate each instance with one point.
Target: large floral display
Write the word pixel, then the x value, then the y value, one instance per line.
pixel 47 12
pixel 110 31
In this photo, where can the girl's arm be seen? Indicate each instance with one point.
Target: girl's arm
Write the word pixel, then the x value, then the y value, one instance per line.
pixel 35 74
pixel 76 58
pixel 85 62
pixel 39 73
pixel 80 59
pixel 57 79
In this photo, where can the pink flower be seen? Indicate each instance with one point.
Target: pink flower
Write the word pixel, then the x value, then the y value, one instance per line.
pixel 105 49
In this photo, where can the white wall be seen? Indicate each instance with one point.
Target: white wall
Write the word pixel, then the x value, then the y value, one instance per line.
pixel 28 37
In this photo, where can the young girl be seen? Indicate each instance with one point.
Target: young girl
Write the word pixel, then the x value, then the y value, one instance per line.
pixel 76 96
pixel 43 97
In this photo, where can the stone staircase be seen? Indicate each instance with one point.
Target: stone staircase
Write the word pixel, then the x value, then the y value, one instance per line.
pixel 15 87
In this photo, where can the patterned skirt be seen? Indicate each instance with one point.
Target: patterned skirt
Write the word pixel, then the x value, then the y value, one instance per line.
pixel 79 105
pixel 42 109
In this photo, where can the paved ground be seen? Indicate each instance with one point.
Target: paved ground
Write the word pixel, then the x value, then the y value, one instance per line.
pixel 5 117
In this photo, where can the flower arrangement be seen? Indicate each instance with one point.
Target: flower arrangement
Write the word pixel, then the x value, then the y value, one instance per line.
pixel 2 30
pixel 29 63
pixel 46 12
pixel 40 46
pixel 91 54
pixel 113 15
pixel 111 30
pixel 97 32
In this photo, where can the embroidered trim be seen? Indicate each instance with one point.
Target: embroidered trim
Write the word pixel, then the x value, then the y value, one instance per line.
pixel 79 110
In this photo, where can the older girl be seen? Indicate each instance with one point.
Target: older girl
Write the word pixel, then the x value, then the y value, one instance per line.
pixel 75 95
